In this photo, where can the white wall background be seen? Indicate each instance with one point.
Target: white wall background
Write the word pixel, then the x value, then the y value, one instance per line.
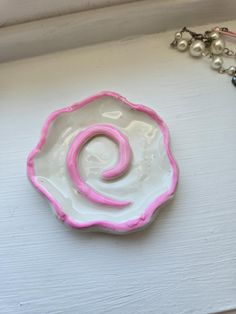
pixel 186 261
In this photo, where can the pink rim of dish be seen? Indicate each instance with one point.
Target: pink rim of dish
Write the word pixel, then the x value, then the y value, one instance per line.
pixel 123 227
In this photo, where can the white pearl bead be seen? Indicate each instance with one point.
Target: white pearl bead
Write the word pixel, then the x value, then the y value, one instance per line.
pixel 196 49
pixel 214 35
pixel 182 45
pixel 178 35
pixel 217 63
pixel 217 46
pixel 231 70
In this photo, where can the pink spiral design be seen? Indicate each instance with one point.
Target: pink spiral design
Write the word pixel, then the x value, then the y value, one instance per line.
pixel 124 161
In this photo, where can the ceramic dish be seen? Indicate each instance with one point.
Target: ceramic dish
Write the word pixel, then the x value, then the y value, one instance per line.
pixel 104 164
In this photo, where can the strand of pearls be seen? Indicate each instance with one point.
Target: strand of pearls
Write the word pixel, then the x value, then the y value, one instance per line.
pixel 211 44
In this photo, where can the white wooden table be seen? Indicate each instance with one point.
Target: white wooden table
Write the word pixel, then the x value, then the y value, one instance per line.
pixel 186 261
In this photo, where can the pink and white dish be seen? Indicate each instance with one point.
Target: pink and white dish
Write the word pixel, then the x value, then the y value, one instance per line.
pixel 104 164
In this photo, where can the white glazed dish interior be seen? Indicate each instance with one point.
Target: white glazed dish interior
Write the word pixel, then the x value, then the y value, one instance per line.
pixel 150 174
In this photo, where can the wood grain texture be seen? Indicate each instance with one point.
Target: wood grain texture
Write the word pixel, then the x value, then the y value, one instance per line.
pixel 186 261
pixel 111 23
pixel 14 12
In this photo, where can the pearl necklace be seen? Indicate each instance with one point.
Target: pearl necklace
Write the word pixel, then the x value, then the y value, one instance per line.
pixel 210 44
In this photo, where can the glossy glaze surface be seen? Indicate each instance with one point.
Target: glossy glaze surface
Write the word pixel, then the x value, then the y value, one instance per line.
pixel 114 172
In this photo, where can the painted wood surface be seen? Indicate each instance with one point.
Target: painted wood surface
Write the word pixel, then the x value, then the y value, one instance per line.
pixel 14 12
pixel 111 23
pixel 186 261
